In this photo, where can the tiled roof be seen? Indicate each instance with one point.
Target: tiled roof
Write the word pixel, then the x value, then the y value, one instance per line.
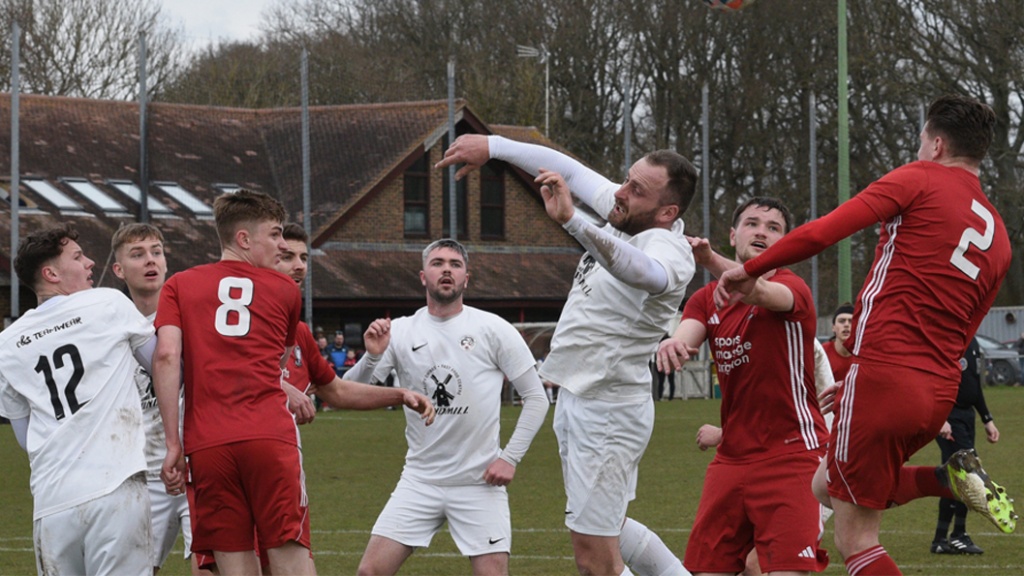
pixel 354 149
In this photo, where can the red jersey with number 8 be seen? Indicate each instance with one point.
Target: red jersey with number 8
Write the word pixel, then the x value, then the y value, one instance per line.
pixel 942 253
pixel 236 321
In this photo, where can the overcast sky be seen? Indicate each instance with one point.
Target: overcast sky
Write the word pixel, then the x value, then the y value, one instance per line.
pixel 211 20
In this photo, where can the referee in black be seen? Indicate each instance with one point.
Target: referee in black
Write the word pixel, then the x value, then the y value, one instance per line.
pixel 957 434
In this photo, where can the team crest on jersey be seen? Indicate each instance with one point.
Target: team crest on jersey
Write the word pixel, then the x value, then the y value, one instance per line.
pixel 443 385
pixel 467 343
pixel 963 364
pixel 585 267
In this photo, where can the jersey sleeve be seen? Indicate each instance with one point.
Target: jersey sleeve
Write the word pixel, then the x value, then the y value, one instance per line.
pixel 12 404
pixel 697 306
pixel 167 311
pixel 295 313
pixel 812 238
pixel 320 372
pixel 803 300
pixel 514 356
pixel 674 254
pixel 895 192
pixel 139 330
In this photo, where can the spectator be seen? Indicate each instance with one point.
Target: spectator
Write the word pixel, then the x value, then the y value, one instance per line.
pixel 338 352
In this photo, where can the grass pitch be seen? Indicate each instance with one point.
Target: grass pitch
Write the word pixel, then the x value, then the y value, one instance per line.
pixel 353 460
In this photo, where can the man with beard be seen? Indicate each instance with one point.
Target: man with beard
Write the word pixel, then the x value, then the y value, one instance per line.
pixel 628 286
pixel 455 470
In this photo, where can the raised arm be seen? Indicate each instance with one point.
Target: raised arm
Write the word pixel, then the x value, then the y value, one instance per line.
pixel 474 150
pixel 627 263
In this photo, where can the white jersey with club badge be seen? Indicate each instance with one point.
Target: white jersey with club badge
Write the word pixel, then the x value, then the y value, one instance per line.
pixel 609 330
pixel 68 364
pixel 460 363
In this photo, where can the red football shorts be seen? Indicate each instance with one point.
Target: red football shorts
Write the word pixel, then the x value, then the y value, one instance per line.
pixel 767 504
pixel 239 488
pixel 884 414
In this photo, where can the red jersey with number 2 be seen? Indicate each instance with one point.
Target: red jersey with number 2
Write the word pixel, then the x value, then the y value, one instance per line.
pixel 236 321
pixel 942 253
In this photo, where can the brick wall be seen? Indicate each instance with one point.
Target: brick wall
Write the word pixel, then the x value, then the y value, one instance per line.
pixel 381 219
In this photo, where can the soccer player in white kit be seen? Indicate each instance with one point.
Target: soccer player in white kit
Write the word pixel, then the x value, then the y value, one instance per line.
pixel 140 261
pixel 456 469
pixel 628 286
pixel 67 385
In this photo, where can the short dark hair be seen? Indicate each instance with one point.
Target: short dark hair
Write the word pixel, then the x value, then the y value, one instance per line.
pixel 242 208
pixel 39 248
pixel 446 243
pixel 682 177
pixel 296 232
pixel 764 202
pixel 844 308
pixel 967 125
pixel 134 232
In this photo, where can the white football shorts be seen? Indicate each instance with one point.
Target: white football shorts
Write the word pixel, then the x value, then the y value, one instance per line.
pixel 170 514
pixel 106 535
pixel 477 514
pixel 600 444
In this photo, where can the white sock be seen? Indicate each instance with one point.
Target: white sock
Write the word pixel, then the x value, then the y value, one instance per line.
pixel 625 571
pixel 644 552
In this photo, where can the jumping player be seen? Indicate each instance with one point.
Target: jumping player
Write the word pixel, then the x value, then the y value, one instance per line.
pixel 628 286
pixel 942 253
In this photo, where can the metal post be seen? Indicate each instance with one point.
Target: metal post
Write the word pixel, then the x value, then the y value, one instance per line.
pixel 813 161
pixel 15 161
pixel 845 292
pixel 453 228
pixel 143 159
pixel 705 176
pixel 307 221
pixel 547 90
pixel 627 124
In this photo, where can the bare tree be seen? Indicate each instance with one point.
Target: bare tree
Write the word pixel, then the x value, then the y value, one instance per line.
pixel 89 48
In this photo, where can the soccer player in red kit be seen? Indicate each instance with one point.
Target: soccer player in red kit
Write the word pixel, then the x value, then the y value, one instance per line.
pixel 942 253
pixel 227 325
pixel 757 489
pixel 839 358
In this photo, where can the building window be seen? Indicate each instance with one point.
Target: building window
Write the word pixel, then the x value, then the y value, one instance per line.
pixel 417 198
pixel 461 207
pixel 492 202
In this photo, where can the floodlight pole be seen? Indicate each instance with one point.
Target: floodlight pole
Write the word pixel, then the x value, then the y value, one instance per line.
pixel 307 218
pixel 844 157
pixel 15 161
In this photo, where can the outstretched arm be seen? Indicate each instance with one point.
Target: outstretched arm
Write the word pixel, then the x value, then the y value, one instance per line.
pixel 625 262
pixel 684 344
pixel 798 245
pixel 474 150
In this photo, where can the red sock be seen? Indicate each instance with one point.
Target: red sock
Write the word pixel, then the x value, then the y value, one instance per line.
pixel 874 561
pixel 917 482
